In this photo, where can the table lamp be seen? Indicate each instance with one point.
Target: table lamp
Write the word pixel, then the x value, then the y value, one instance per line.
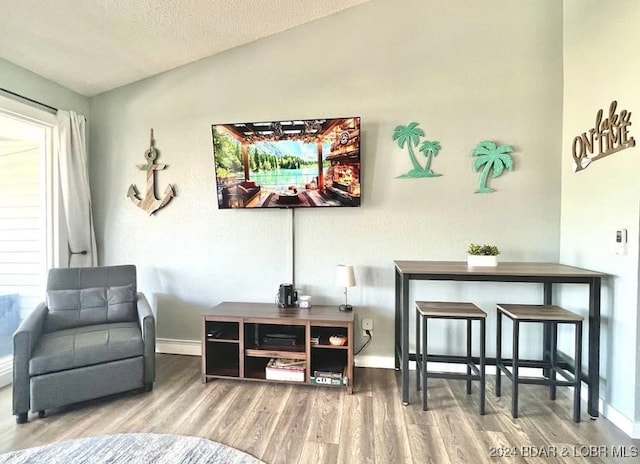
pixel 345 277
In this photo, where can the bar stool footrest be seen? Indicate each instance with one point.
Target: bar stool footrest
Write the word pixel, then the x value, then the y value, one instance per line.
pixel 452 375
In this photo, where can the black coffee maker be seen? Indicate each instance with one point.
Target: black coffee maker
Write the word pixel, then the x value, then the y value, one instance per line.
pixel 287 296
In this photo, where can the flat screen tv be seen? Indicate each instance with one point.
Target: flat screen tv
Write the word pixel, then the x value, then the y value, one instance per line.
pixel 288 164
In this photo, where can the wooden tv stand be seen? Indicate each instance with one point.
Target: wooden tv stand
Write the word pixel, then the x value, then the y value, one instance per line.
pixel 238 342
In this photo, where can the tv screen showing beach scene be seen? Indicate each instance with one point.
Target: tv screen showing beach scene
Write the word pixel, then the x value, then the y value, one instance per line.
pixel 288 164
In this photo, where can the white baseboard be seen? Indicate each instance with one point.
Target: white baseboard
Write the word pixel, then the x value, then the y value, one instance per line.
pixel 621 421
pixel 194 348
pixel 6 371
pixel 175 346
pixel 383 362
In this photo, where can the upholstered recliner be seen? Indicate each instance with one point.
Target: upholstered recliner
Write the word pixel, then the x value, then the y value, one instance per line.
pixel 93 336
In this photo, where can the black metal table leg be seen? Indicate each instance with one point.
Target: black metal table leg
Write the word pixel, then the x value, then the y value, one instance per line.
pixel 546 331
pixel 418 366
pixel 594 346
pixel 398 323
pixel 469 359
pixel 516 366
pixel 424 363
pixel 483 328
pixel 578 358
pixel 553 357
pixel 404 303
pixel 498 352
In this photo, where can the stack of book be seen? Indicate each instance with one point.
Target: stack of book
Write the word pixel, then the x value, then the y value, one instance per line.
pixel 290 370
pixel 332 379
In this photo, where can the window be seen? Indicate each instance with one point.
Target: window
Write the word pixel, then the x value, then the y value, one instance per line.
pixel 27 217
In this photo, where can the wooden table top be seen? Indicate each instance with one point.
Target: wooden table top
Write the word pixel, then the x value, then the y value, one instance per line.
pixel 273 311
pixel 518 269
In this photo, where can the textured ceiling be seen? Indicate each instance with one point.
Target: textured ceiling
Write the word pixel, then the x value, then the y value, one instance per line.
pixel 91 46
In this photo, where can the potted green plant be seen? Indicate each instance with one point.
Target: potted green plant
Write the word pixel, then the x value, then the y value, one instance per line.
pixel 482 255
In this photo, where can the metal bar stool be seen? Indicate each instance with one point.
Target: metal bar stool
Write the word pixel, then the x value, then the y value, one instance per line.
pixel 545 314
pixel 469 312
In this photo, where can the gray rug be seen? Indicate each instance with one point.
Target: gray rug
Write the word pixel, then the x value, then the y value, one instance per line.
pixel 132 448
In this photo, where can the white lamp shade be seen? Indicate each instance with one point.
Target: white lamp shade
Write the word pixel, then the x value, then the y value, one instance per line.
pixel 345 276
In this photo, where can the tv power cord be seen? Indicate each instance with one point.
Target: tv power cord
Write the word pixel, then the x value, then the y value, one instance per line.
pixel 368 332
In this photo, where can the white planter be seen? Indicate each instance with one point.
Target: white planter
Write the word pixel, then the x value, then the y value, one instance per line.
pixel 482 261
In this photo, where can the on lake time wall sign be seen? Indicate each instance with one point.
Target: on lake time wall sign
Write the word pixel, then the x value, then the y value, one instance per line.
pixel 606 137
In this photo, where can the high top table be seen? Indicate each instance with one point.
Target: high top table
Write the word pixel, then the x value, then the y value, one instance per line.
pixel 544 273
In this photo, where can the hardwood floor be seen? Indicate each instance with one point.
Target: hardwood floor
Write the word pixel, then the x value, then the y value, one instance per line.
pixel 281 423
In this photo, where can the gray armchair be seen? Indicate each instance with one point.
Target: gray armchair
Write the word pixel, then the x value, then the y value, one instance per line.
pixel 94 336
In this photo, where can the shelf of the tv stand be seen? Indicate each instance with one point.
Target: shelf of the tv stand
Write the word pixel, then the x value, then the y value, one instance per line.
pixel 330 347
pixel 259 375
pixel 223 373
pixel 243 359
pixel 281 352
pixel 222 340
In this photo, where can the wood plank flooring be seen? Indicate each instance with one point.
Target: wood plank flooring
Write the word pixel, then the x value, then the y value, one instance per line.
pixel 290 424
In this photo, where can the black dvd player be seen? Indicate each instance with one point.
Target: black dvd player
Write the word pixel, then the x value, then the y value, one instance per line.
pixel 279 340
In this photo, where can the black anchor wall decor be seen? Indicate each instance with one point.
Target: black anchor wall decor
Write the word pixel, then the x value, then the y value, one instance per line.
pixel 150 203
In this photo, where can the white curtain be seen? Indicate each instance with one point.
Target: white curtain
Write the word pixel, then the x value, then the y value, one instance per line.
pixel 74 184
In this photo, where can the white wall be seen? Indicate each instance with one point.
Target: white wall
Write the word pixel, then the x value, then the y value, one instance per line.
pixel 599 68
pixel 28 84
pixel 494 72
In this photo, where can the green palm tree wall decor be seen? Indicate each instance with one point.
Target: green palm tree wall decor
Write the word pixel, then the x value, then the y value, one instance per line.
pixel 430 149
pixel 492 159
pixel 410 136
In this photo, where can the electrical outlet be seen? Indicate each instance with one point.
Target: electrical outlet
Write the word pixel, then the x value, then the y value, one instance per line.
pixel 367 324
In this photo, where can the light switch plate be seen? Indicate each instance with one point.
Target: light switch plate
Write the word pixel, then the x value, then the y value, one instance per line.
pixel 620 244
